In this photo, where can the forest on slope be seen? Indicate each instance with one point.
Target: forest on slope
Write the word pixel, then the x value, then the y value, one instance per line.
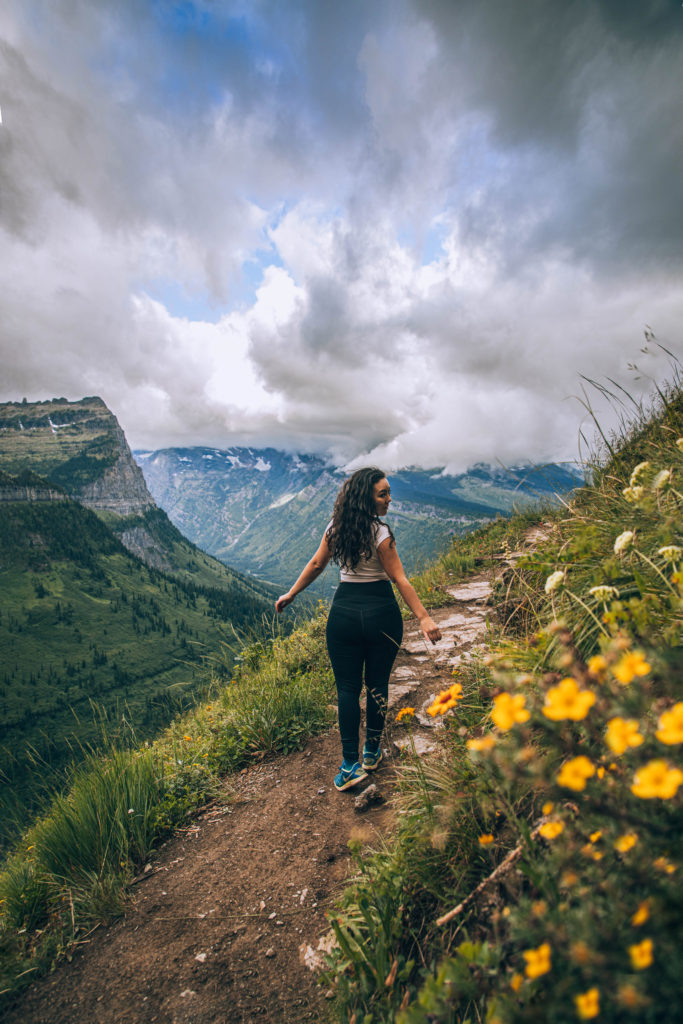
pixel 111 621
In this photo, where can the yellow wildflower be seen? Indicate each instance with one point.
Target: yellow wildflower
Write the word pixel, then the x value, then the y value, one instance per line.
pixel 594 836
pixel 630 665
pixel 405 713
pixel 569 878
pixel 641 954
pixel 551 829
pixel 188 739
pixel 588 1004
pixel 626 842
pixel 600 772
pixel 671 725
pixel 656 779
pixel 548 807
pixel 589 851
pixel 486 839
pixel 597 666
pixel 621 734
pixel 537 961
pixel 641 915
pixel 446 700
pixel 441 704
pixel 574 773
pixel 662 864
pixel 516 982
pixel 509 710
pixel 568 700
pixel 481 743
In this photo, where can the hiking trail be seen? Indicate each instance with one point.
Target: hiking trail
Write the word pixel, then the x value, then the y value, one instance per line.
pixel 224 925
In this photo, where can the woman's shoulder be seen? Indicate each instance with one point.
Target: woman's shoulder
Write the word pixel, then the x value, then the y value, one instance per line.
pixel 380 531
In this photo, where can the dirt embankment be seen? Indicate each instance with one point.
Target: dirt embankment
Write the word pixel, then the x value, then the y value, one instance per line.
pixel 219 927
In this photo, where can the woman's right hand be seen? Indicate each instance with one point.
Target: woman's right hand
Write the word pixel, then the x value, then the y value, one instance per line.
pixel 430 629
pixel 283 601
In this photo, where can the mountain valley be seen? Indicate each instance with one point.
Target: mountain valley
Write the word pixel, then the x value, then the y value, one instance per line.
pixel 263 511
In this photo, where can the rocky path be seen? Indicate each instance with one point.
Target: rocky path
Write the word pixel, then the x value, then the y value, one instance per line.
pixel 226 923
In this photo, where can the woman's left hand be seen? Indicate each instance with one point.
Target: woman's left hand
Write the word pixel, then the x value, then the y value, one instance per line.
pixel 430 629
pixel 283 601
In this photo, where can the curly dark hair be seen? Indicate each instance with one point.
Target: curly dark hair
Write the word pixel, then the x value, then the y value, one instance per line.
pixel 351 534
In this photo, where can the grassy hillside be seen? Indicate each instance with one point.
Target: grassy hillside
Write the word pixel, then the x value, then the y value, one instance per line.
pixel 536 871
pixel 91 637
pixel 73 864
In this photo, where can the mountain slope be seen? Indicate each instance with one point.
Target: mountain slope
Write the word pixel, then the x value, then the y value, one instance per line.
pixel 84 622
pixel 108 613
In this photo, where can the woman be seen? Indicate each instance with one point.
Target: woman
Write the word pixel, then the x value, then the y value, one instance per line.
pixel 364 628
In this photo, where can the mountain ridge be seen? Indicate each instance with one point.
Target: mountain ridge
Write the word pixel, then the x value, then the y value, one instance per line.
pixel 263 510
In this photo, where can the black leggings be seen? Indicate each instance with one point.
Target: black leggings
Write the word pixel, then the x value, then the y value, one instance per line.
pixel 364 630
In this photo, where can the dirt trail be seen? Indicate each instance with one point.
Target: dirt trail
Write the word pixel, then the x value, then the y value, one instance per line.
pixel 216 930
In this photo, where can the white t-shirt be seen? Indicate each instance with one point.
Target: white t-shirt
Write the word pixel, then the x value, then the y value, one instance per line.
pixel 368 570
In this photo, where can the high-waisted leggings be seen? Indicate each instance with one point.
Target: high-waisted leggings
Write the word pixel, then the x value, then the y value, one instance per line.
pixel 364 633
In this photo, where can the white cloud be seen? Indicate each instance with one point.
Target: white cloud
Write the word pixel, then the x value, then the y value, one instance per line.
pixel 457 212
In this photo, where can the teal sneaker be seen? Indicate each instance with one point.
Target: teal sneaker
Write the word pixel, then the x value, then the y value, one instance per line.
pixel 371 758
pixel 348 778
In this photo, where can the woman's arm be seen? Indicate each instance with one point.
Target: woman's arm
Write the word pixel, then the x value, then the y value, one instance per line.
pixel 311 572
pixel 391 563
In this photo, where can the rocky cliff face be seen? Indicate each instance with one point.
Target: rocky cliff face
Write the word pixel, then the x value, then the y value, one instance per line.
pixel 31 494
pixel 53 450
pixel 121 488
pixel 77 445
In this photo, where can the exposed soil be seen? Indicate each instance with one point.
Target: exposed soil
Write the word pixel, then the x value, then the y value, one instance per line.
pixel 216 929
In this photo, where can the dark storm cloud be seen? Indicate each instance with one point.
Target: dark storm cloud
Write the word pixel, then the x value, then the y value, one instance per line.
pixel 585 100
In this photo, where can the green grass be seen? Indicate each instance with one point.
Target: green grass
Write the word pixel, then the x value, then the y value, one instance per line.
pixel 71 868
pixel 474 551
pixel 595 898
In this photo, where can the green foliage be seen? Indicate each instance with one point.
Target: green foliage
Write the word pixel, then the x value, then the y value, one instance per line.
pixel 71 867
pixel 537 855
pixel 367 929
pixel 460 985
pixel 94 642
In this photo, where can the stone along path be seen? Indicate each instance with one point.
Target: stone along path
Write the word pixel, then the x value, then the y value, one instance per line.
pixel 228 920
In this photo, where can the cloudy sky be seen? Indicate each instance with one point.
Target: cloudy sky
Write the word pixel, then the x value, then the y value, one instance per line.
pixel 397 230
